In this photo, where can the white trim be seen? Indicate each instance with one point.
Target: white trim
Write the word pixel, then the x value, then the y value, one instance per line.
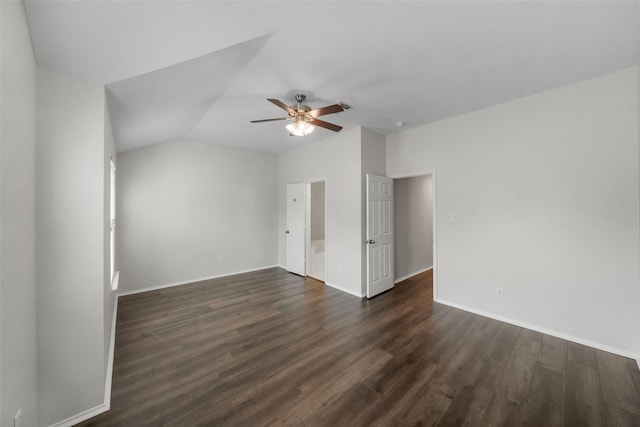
pixel 546 331
pixel 190 281
pixel 82 416
pixel 400 279
pixel 434 189
pixel 115 280
pixel 312 180
pixel 106 405
pixel 340 288
pixel 112 347
pixel 434 230
pixel 638 163
pixel 308 225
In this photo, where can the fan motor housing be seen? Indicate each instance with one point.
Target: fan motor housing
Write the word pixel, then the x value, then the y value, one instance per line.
pixel 300 108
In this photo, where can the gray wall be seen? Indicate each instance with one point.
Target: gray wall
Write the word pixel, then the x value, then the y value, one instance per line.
pixel 317 210
pixel 183 204
pixel 337 160
pixel 413 225
pixel 70 223
pixel 17 218
pixel 546 188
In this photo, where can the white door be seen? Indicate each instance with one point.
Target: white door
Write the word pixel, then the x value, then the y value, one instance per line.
pixel 296 233
pixel 379 234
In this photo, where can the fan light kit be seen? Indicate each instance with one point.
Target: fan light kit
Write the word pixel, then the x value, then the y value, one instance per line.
pixel 304 118
pixel 300 128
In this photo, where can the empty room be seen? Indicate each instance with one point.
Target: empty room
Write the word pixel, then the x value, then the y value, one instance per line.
pixel 319 213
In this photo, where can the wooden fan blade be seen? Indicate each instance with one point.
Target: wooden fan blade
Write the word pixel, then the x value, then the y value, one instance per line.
pixel 270 120
pixel 329 109
pixel 326 125
pixel 282 105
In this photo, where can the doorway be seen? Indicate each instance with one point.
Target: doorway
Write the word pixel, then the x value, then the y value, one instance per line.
pixel 306 229
pixel 316 236
pixel 414 222
pixel 379 238
pixel 296 228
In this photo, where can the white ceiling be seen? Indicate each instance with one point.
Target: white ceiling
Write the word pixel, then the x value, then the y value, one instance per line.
pixel 203 69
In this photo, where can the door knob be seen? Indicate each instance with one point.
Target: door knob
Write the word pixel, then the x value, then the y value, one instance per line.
pixel 286 232
pixel 370 242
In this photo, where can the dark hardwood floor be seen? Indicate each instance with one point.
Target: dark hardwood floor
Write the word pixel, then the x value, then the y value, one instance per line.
pixel 271 348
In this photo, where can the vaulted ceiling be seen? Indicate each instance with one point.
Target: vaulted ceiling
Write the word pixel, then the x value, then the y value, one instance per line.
pixel 203 69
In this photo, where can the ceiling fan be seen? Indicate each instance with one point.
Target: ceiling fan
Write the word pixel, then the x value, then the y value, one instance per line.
pixel 304 118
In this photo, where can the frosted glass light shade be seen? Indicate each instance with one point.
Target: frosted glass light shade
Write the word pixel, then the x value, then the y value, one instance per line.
pixel 300 128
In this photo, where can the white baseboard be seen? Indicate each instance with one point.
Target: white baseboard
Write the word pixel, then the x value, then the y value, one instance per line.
pixel 115 280
pixel 400 279
pixel 106 405
pixel 190 281
pixel 546 331
pixel 340 288
pixel 82 416
pixel 112 348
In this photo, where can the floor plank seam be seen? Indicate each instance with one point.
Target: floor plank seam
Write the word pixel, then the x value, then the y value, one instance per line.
pixel 272 348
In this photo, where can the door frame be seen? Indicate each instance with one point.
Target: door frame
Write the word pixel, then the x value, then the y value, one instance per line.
pixel 434 224
pixel 379 287
pixel 307 237
pixel 303 233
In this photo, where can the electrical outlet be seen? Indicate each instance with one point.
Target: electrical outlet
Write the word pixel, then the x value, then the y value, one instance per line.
pixel 454 217
pixel 17 420
pixel 500 292
pixel 235 257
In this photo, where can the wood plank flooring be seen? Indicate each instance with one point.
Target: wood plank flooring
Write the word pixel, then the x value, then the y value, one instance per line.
pixel 271 348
